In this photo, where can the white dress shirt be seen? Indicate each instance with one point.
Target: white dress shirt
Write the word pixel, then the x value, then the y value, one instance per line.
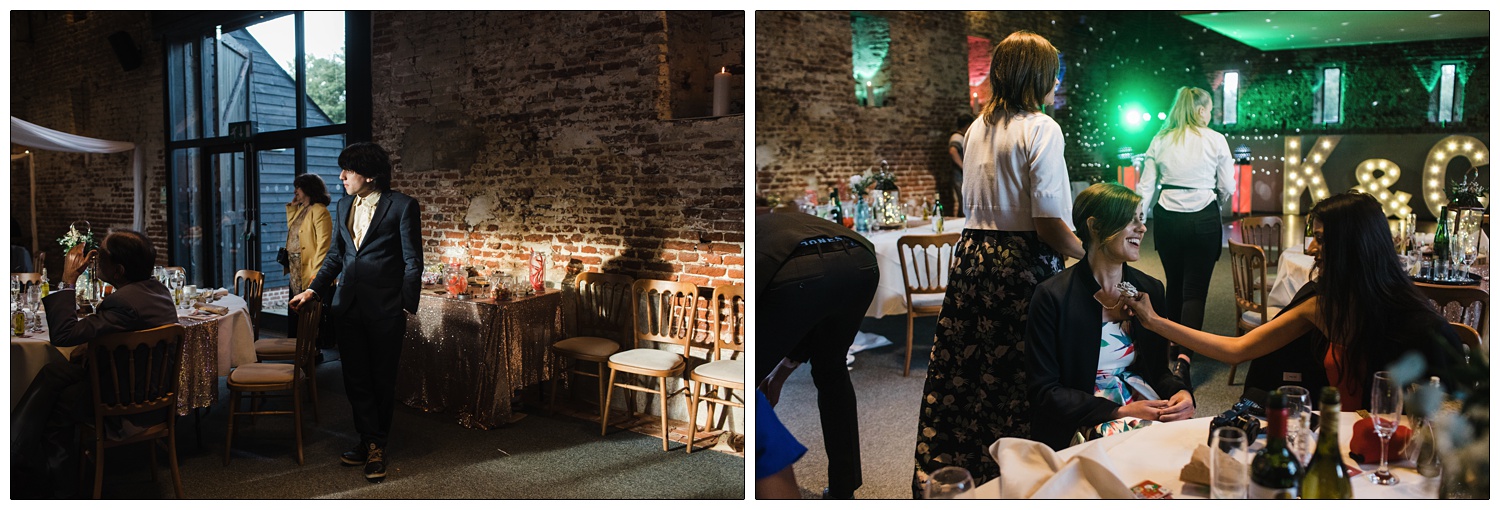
pixel 1014 173
pixel 1201 161
pixel 364 210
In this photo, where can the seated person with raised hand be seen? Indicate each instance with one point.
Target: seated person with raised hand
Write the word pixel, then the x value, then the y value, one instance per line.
pixel 42 437
pixel 1361 314
pixel 1089 373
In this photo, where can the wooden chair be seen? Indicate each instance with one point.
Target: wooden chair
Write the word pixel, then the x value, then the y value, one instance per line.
pixel 248 284
pixel 285 349
pixel 1265 232
pixel 726 310
pixel 1470 338
pixel 1247 263
pixel 603 318
pixel 1465 304
pixel 924 269
pixel 664 313
pixel 32 278
pixel 261 379
pixel 134 374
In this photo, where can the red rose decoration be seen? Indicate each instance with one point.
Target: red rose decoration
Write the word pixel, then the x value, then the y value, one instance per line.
pixel 1364 447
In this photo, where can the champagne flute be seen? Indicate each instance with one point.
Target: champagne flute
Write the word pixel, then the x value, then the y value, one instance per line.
pixel 1385 414
pixel 951 482
pixel 1298 422
pixel 29 303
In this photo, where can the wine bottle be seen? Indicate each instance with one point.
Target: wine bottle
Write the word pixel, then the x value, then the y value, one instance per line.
pixel 1327 477
pixel 1440 244
pixel 1275 472
pixel 835 209
pixel 937 213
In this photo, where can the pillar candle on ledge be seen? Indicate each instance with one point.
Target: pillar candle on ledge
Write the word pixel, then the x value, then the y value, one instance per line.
pixel 869 95
pixel 721 92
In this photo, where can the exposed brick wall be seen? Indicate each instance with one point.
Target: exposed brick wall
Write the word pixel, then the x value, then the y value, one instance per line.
pixel 514 130
pixel 539 141
pixel 65 76
pixel 809 124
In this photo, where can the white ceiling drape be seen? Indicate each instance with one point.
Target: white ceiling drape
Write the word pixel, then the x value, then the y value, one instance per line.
pixel 41 138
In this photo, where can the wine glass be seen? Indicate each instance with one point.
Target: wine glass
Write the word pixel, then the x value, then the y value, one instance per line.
pixel 1467 238
pixel 951 482
pixel 29 303
pixel 1298 422
pixel 1229 464
pixel 1385 414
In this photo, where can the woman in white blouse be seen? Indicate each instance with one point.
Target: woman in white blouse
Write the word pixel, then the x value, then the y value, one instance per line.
pixel 1190 162
pixel 1019 230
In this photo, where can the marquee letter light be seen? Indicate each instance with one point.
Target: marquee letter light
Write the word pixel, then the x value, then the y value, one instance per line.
pixel 1436 173
pixel 1305 174
pixel 1393 202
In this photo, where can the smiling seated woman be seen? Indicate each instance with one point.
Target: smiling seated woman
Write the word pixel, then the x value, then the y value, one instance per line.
pixel 1089 372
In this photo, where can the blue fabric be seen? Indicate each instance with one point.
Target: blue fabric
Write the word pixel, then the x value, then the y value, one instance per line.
pixel 775 448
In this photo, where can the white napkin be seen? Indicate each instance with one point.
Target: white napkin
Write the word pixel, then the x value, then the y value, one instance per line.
pixel 1031 470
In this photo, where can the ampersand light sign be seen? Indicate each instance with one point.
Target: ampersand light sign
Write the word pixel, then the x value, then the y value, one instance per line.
pixel 1304 174
pixel 1392 202
pixel 1436 167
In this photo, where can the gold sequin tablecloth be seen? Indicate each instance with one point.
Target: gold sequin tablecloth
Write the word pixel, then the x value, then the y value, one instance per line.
pixel 212 346
pixel 470 356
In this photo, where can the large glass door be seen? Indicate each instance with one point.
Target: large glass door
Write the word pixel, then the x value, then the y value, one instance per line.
pixel 232 211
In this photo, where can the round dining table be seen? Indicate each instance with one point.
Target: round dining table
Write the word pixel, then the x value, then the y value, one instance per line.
pixel 214 344
pixel 890 295
pixel 1158 453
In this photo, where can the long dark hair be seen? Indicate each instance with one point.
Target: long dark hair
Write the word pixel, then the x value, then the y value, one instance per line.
pixel 1023 69
pixel 1363 293
pixel 312 186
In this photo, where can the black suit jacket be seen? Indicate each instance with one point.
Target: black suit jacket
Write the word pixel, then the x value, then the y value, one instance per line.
pixel 1063 329
pixel 141 305
pixel 384 275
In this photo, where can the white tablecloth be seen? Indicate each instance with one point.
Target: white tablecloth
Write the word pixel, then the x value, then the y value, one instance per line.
pixel 1159 452
pixel 1294 269
pixel 236 346
pixel 890 296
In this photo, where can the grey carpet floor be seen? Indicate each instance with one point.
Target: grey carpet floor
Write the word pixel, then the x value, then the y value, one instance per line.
pixel 889 403
pixel 540 456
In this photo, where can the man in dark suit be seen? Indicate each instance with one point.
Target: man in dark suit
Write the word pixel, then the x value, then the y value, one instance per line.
pixel 376 258
pixel 42 436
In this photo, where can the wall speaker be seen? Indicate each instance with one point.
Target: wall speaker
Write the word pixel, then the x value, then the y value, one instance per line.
pixel 125 50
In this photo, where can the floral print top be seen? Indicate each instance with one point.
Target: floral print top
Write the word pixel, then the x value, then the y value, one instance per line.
pixel 1114 380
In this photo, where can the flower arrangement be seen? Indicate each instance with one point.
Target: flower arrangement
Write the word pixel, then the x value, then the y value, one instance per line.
pixel 1468 192
pixel 859 184
pixel 74 237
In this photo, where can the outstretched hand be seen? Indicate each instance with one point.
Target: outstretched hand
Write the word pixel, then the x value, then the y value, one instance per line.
pixel 1140 307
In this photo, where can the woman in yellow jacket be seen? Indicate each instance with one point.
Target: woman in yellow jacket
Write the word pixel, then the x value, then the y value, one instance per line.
pixel 309 230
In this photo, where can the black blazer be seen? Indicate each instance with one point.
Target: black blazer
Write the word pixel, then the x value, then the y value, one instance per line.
pixel 384 275
pixel 141 305
pixel 1063 329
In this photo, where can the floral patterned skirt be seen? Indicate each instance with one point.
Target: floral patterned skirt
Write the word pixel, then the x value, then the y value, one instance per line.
pixel 976 379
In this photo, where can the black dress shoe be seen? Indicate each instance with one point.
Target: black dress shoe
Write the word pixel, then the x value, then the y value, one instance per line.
pixel 356 456
pixel 375 465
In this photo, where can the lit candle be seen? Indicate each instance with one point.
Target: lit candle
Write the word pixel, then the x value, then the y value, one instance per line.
pixel 721 92
pixel 869 94
pixel 974 101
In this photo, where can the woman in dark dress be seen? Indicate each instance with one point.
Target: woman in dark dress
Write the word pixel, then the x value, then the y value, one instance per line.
pixel 1365 314
pixel 1019 210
